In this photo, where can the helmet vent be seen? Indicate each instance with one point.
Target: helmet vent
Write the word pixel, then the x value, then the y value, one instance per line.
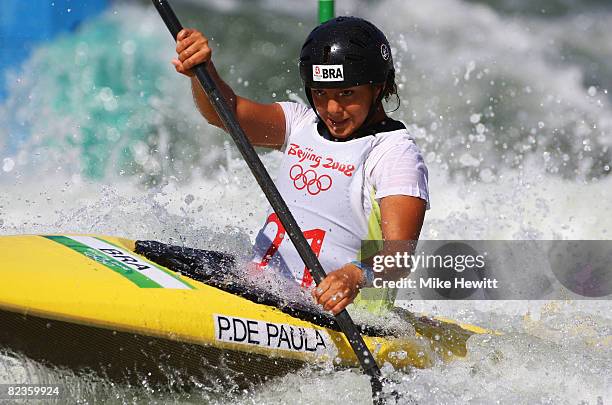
pixel 326 52
pixel 358 42
pixel 354 58
pixel 372 26
pixel 365 32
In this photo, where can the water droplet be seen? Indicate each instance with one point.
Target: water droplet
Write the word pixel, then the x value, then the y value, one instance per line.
pixel 469 69
pixel 8 164
pixel 129 47
pixel 487 175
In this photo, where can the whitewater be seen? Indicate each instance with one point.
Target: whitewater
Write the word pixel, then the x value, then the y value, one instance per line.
pixel 509 104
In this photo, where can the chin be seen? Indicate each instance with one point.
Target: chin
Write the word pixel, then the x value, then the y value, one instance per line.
pixel 342 134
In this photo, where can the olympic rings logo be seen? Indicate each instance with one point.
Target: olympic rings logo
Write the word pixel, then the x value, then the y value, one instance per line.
pixel 309 180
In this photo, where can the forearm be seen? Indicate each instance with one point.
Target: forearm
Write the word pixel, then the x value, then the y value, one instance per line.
pixel 263 124
pixel 401 219
pixel 400 266
pixel 202 102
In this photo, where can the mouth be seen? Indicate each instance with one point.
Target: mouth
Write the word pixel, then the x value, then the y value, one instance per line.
pixel 337 124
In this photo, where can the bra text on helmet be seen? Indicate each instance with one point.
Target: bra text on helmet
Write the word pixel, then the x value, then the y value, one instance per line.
pixel 328 73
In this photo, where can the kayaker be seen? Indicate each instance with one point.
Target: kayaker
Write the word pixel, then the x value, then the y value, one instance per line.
pixel 349 172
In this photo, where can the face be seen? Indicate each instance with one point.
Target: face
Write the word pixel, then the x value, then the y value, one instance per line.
pixel 344 110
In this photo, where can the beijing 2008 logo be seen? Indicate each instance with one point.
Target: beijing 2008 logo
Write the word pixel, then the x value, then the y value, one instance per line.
pixel 309 180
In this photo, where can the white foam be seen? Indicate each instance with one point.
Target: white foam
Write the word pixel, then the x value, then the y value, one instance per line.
pixel 550 351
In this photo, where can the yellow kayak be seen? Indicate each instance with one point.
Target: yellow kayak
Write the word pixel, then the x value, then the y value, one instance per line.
pixel 88 301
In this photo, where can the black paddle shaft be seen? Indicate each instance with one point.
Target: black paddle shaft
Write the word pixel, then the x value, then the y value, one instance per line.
pixel 276 201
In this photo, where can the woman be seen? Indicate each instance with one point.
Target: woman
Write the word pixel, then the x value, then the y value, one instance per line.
pixel 349 173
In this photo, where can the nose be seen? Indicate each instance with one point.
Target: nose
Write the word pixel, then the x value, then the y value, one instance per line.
pixel 333 107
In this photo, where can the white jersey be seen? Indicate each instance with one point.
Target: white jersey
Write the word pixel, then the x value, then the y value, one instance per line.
pixel 333 190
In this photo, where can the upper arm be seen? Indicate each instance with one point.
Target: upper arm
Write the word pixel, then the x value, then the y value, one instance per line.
pixel 402 217
pixel 264 124
pixel 400 178
pixel 401 220
pixel 401 170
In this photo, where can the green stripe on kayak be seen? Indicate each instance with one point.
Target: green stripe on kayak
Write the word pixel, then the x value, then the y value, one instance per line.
pixel 120 268
pixel 168 272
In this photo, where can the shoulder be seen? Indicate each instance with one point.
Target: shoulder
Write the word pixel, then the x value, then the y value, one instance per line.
pixel 395 166
pixel 296 115
pixel 392 145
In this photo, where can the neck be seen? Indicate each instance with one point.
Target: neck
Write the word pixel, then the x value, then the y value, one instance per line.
pixel 378 116
pixel 374 117
pixel 367 128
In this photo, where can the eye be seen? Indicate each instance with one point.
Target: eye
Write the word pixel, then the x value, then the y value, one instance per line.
pixel 346 93
pixel 318 92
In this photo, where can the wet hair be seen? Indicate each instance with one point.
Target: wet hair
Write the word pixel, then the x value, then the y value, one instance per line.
pixel 390 89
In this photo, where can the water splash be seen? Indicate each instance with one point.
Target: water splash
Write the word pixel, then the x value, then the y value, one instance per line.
pixel 548 74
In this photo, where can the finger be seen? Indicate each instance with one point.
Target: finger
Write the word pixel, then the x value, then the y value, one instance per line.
pixel 186 42
pixel 344 302
pixel 321 288
pixel 184 33
pixel 322 298
pixel 192 50
pixel 178 66
pixel 196 59
pixel 330 299
pixel 179 69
